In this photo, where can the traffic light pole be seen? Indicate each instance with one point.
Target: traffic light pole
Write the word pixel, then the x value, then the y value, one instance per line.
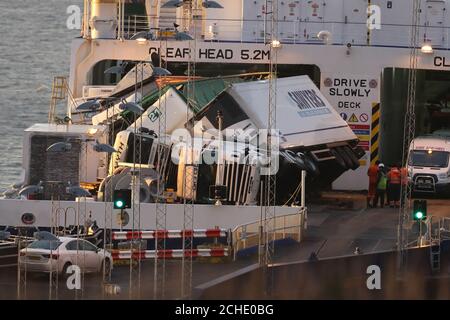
pixel 408 136
pixel 121 219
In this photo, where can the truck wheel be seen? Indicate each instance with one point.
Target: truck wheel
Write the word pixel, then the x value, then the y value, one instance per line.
pixel 311 166
pixel 353 157
pixel 344 155
pixel 339 159
pixel 295 159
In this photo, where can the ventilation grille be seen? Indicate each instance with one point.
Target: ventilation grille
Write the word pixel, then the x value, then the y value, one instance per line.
pixel 55 168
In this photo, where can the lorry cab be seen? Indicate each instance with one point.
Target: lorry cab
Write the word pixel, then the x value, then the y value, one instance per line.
pixel 428 164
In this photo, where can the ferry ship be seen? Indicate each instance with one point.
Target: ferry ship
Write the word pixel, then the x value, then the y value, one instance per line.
pixel 341 90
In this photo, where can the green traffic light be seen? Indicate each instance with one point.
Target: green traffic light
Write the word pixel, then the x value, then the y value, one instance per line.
pixel 420 210
pixel 419 215
pixel 119 204
pixel 122 199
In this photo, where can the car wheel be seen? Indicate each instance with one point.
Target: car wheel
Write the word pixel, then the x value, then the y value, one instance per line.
pixel 65 275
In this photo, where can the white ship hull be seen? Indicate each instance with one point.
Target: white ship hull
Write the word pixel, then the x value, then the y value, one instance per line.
pixel 205 216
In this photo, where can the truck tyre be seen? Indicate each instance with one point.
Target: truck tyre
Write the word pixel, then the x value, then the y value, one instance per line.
pixel 296 159
pixel 352 157
pixel 340 161
pixel 311 166
pixel 344 155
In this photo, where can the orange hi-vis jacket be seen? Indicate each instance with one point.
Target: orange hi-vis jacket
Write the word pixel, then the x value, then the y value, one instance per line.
pixel 394 176
pixel 373 174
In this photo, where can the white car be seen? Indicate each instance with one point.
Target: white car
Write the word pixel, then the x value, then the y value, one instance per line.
pixel 59 254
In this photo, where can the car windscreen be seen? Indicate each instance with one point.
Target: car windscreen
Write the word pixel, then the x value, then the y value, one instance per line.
pixel 45 244
pixel 425 158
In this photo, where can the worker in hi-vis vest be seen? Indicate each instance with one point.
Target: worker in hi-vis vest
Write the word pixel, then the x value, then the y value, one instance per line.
pixel 381 186
pixel 394 180
pixel 372 172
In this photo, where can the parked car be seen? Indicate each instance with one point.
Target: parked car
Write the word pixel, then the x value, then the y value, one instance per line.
pixel 59 254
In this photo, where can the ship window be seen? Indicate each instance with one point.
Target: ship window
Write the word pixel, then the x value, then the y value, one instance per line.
pixel 145 145
pixel 230 109
pixel 28 218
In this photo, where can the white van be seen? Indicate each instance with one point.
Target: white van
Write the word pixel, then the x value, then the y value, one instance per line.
pixel 428 164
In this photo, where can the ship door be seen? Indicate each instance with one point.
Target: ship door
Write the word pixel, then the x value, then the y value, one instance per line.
pixel 435 14
pixel 432 108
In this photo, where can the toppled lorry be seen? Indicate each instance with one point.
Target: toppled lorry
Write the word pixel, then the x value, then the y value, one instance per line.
pixel 229 127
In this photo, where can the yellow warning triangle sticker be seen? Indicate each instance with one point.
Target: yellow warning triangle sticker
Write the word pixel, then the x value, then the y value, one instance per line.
pixel 353 118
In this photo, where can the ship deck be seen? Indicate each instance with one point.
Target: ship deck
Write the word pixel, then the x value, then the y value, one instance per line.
pixel 335 227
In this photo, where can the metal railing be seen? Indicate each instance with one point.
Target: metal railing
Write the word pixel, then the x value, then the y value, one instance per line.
pixel 434 229
pixel 295 31
pixel 9 250
pixel 286 226
pixel 440 229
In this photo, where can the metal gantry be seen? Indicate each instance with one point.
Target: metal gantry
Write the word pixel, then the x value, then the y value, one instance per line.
pixel 21 269
pixel 135 245
pixel 159 280
pixel 81 228
pixel 190 171
pixel 270 185
pixel 109 209
pixel 409 133
pixel 53 274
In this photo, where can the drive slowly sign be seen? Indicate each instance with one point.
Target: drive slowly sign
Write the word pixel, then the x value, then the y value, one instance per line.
pixel 353 96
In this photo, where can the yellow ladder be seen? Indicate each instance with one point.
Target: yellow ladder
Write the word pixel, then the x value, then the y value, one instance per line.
pixel 58 94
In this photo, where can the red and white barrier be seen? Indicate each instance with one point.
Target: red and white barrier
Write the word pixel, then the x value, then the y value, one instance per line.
pixel 167 254
pixel 169 234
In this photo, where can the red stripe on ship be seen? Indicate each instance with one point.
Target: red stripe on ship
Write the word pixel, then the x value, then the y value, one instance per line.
pixel 164 234
pixel 128 235
pixel 161 234
pixel 168 253
pixel 364 145
pixel 359 127
pixel 213 233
